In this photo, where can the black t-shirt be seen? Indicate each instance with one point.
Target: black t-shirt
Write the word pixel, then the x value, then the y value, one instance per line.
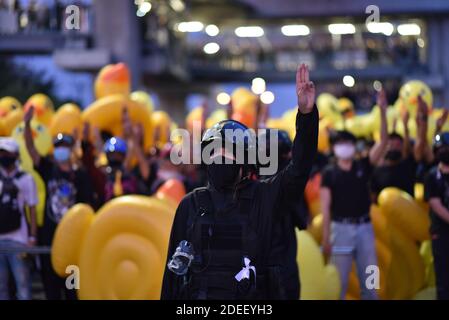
pixel 401 175
pixel 349 189
pixel 63 190
pixel 437 186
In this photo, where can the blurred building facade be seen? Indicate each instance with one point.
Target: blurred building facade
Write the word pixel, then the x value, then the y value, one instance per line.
pixel 175 62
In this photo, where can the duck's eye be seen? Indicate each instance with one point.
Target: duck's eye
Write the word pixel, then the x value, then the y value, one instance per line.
pixel 19 130
pixel 13 107
pixel 423 92
pixel 40 128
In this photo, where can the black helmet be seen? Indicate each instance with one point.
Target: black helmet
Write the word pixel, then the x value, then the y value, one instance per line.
pixel 441 140
pixel 65 139
pixel 284 141
pixel 230 131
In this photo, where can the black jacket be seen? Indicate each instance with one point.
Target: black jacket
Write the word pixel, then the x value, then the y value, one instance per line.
pixel 266 193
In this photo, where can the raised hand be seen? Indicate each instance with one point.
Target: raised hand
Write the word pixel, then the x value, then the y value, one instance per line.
pixel 382 100
pixel 86 131
pixel 305 90
pixel 442 120
pixel 423 108
pixel 28 115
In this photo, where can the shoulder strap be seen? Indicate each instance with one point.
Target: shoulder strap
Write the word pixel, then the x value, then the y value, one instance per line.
pixel 203 201
pixel 202 205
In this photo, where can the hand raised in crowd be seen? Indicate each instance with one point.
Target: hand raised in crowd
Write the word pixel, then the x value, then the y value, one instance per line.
pixel 86 131
pixel 305 90
pixel 442 120
pixel 327 249
pixel 423 109
pixel 405 116
pixel 382 101
pixel 126 123
pixel 28 115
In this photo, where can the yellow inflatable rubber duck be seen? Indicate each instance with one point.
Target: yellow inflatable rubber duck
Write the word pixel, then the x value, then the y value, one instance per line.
pixel 162 126
pixel 121 249
pixel 43 108
pixel 43 143
pixel 404 266
pixel 143 98
pixel 346 107
pixel 113 79
pixel 215 117
pixel 408 95
pixel 329 112
pixel 112 88
pixel 66 120
pixel 11 114
pixel 244 107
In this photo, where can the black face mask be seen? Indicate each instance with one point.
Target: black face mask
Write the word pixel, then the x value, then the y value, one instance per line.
pixel 223 176
pixel 443 156
pixel 393 155
pixel 114 163
pixel 7 162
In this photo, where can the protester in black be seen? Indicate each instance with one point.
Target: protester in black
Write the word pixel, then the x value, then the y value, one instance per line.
pixel 65 185
pixel 437 194
pixel 345 202
pixel 221 235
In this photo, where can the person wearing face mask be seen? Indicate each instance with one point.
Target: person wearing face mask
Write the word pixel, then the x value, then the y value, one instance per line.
pixel 119 181
pixel 345 203
pixel 17 191
pixel 436 192
pixel 66 184
pixel 221 235
pixel 398 167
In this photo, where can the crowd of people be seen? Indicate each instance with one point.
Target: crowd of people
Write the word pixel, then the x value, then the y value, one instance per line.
pixel 354 171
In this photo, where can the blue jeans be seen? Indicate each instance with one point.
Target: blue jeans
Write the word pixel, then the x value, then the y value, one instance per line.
pixel 20 271
pixel 355 241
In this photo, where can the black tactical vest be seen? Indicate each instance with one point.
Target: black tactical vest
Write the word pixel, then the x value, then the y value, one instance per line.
pixel 221 239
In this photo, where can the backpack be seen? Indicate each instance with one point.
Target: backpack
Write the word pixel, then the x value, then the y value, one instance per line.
pixel 10 215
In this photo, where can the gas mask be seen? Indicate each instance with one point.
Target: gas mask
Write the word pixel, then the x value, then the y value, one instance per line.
pixel 182 258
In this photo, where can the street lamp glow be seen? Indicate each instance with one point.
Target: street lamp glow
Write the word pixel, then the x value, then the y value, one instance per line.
pixel 409 29
pixel 212 30
pixel 377 85
pixel 341 28
pixel 267 97
pixel 380 27
pixel 258 86
pixel 145 7
pixel 177 5
pixel 249 32
pixel 348 81
pixel 294 30
pixel 211 48
pixel 223 98
pixel 190 26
